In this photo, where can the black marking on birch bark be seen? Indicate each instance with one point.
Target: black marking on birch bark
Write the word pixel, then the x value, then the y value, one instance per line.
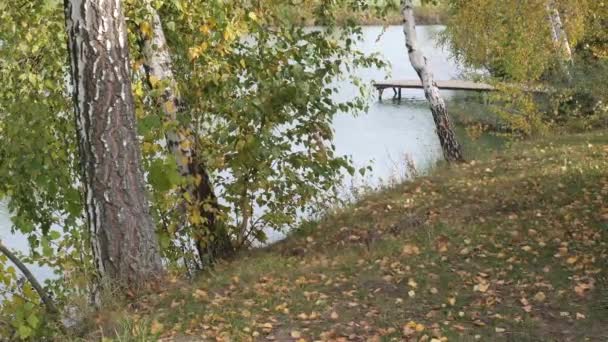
pixel 157 64
pixel 121 230
pixel 451 149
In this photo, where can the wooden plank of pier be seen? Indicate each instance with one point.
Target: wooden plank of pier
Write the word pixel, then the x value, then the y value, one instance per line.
pixel 397 85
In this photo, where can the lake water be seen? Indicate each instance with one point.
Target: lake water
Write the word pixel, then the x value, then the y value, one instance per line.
pixel 390 131
pixel 18 242
pixel 382 137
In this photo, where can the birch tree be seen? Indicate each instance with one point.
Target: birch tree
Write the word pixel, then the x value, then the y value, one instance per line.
pixel 452 150
pixel 122 232
pixel 494 35
pixel 180 141
pixel 558 33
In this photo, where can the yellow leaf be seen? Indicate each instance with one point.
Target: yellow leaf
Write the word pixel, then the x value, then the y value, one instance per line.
pixel 204 29
pixel 139 112
pixel 146 29
pixel 228 34
pixel 194 52
pixel 410 249
pixel 147 147
pixel 408 331
pixel 571 260
pixel 185 161
pixel 200 294
pixel 156 327
pixel 138 89
pixel 415 326
pixel 185 144
pixel 296 334
pixel 170 107
pixel 540 297
pixel 154 81
pixel 187 197
pixel 483 287
pixel 195 217
pixel 266 326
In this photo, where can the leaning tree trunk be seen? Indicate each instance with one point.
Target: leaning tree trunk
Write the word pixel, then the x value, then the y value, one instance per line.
pixel 558 33
pixel 211 238
pixel 123 238
pixel 445 130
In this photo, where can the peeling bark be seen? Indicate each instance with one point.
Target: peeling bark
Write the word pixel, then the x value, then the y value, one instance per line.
pixel 558 33
pixel 123 238
pixel 181 143
pixel 452 151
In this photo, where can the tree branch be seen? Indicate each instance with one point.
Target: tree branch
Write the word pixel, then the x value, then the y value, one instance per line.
pixel 30 277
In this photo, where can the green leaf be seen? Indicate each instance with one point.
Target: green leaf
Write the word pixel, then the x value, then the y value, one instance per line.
pixel 24 331
pixel 164 240
pixel 47 250
pixel 33 321
pixel 163 175
pixel 54 235
pixel 149 123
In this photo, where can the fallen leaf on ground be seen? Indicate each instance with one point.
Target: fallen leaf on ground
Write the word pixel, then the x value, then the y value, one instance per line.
pixel 540 297
pixel 156 327
pixel 410 249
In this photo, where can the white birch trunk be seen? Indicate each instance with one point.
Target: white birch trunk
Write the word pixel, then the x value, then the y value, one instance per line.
pixel 158 64
pixel 443 124
pixel 558 33
pixel 180 142
pixel 122 232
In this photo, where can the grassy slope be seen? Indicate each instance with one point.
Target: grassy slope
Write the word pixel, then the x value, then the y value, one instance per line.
pixel 510 248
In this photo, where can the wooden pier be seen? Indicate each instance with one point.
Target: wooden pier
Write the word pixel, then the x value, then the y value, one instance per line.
pixel 397 85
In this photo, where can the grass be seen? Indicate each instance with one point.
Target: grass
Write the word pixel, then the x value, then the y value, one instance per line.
pixel 513 247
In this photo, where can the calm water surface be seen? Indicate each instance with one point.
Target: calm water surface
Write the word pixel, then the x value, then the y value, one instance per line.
pixel 383 137
pixel 389 132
